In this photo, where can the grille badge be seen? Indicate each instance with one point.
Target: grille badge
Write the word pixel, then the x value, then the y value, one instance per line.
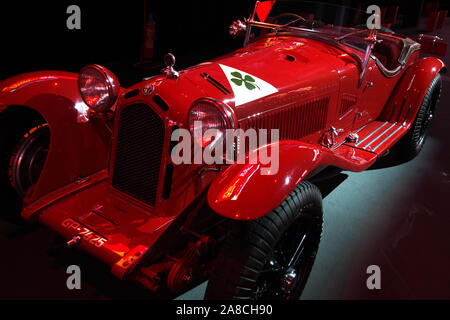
pixel 148 89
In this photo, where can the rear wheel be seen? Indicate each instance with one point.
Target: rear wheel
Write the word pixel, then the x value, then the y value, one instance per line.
pixel 413 142
pixel 23 151
pixel 271 258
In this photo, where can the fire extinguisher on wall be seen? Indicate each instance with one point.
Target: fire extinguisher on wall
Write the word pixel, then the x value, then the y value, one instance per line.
pixel 149 37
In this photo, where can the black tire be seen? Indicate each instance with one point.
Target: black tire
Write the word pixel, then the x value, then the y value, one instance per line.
pixel 251 264
pixel 12 137
pixel 412 143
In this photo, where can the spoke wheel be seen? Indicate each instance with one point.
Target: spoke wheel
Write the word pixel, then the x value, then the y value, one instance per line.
pixel 286 271
pixel 270 258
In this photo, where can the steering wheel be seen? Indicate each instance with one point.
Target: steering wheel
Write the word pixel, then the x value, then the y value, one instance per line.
pixel 296 18
pixel 279 19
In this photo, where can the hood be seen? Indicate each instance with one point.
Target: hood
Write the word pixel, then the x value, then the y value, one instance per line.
pixel 266 70
pixel 265 75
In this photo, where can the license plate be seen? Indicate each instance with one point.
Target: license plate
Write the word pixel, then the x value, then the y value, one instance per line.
pixel 86 234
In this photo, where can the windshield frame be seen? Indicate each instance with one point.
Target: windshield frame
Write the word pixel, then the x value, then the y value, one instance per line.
pixel 308 33
pixel 326 36
pixel 302 9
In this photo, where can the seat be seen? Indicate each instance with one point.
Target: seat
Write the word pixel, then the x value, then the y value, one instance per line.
pixel 388 51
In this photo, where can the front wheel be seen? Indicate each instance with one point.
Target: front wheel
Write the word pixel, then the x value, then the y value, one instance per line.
pixel 23 152
pixel 271 258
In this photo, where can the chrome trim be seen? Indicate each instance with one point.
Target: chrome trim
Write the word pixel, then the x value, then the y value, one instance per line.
pixel 429 37
pixel 373 132
pixel 386 72
pixel 352 138
pixel 409 46
pixel 111 82
pixel 169 71
pixel 309 33
pixel 380 135
pixel 372 40
pixel 387 138
pixel 328 138
pixel 226 110
pixel 276 26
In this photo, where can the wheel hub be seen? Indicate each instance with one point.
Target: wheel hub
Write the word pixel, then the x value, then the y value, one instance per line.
pixel 284 272
pixel 289 281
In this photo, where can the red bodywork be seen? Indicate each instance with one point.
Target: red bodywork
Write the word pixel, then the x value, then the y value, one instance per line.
pixel 75 193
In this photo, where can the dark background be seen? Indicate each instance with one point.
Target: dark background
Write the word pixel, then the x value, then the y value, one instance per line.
pixel 34 34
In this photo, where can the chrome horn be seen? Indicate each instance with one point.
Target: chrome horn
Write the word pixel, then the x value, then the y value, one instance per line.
pixel 169 71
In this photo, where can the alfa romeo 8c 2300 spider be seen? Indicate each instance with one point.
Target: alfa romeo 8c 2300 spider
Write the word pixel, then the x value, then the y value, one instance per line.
pixel 100 164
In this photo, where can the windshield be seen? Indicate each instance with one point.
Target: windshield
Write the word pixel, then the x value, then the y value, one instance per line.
pixel 333 22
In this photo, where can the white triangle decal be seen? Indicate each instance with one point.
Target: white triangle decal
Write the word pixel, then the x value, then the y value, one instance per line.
pixel 246 87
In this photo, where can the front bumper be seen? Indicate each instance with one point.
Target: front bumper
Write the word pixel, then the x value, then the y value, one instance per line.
pixel 111 228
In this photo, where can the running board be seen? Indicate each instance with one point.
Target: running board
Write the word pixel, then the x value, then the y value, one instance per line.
pixel 378 136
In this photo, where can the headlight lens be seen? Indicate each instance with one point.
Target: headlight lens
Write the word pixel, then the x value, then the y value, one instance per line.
pixel 99 87
pixel 211 116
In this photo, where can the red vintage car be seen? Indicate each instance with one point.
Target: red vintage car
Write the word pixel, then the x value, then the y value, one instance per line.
pixel 94 161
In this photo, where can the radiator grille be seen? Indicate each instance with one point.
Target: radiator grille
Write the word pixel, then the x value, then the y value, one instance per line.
pixel 140 142
pixel 295 121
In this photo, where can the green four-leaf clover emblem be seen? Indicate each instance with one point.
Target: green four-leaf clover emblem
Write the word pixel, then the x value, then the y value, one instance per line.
pixel 248 81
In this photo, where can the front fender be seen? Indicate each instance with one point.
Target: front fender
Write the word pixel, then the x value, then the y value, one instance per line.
pixel 79 145
pixel 241 192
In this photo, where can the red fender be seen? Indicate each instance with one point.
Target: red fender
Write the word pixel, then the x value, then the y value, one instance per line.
pixel 242 193
pixel 79 145
pixel 409 93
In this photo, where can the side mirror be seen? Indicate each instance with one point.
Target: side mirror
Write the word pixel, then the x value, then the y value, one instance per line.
pixel 237 29
pixel 432 44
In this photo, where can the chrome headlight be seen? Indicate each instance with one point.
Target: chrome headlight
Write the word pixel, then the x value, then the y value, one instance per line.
pixel 99 87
